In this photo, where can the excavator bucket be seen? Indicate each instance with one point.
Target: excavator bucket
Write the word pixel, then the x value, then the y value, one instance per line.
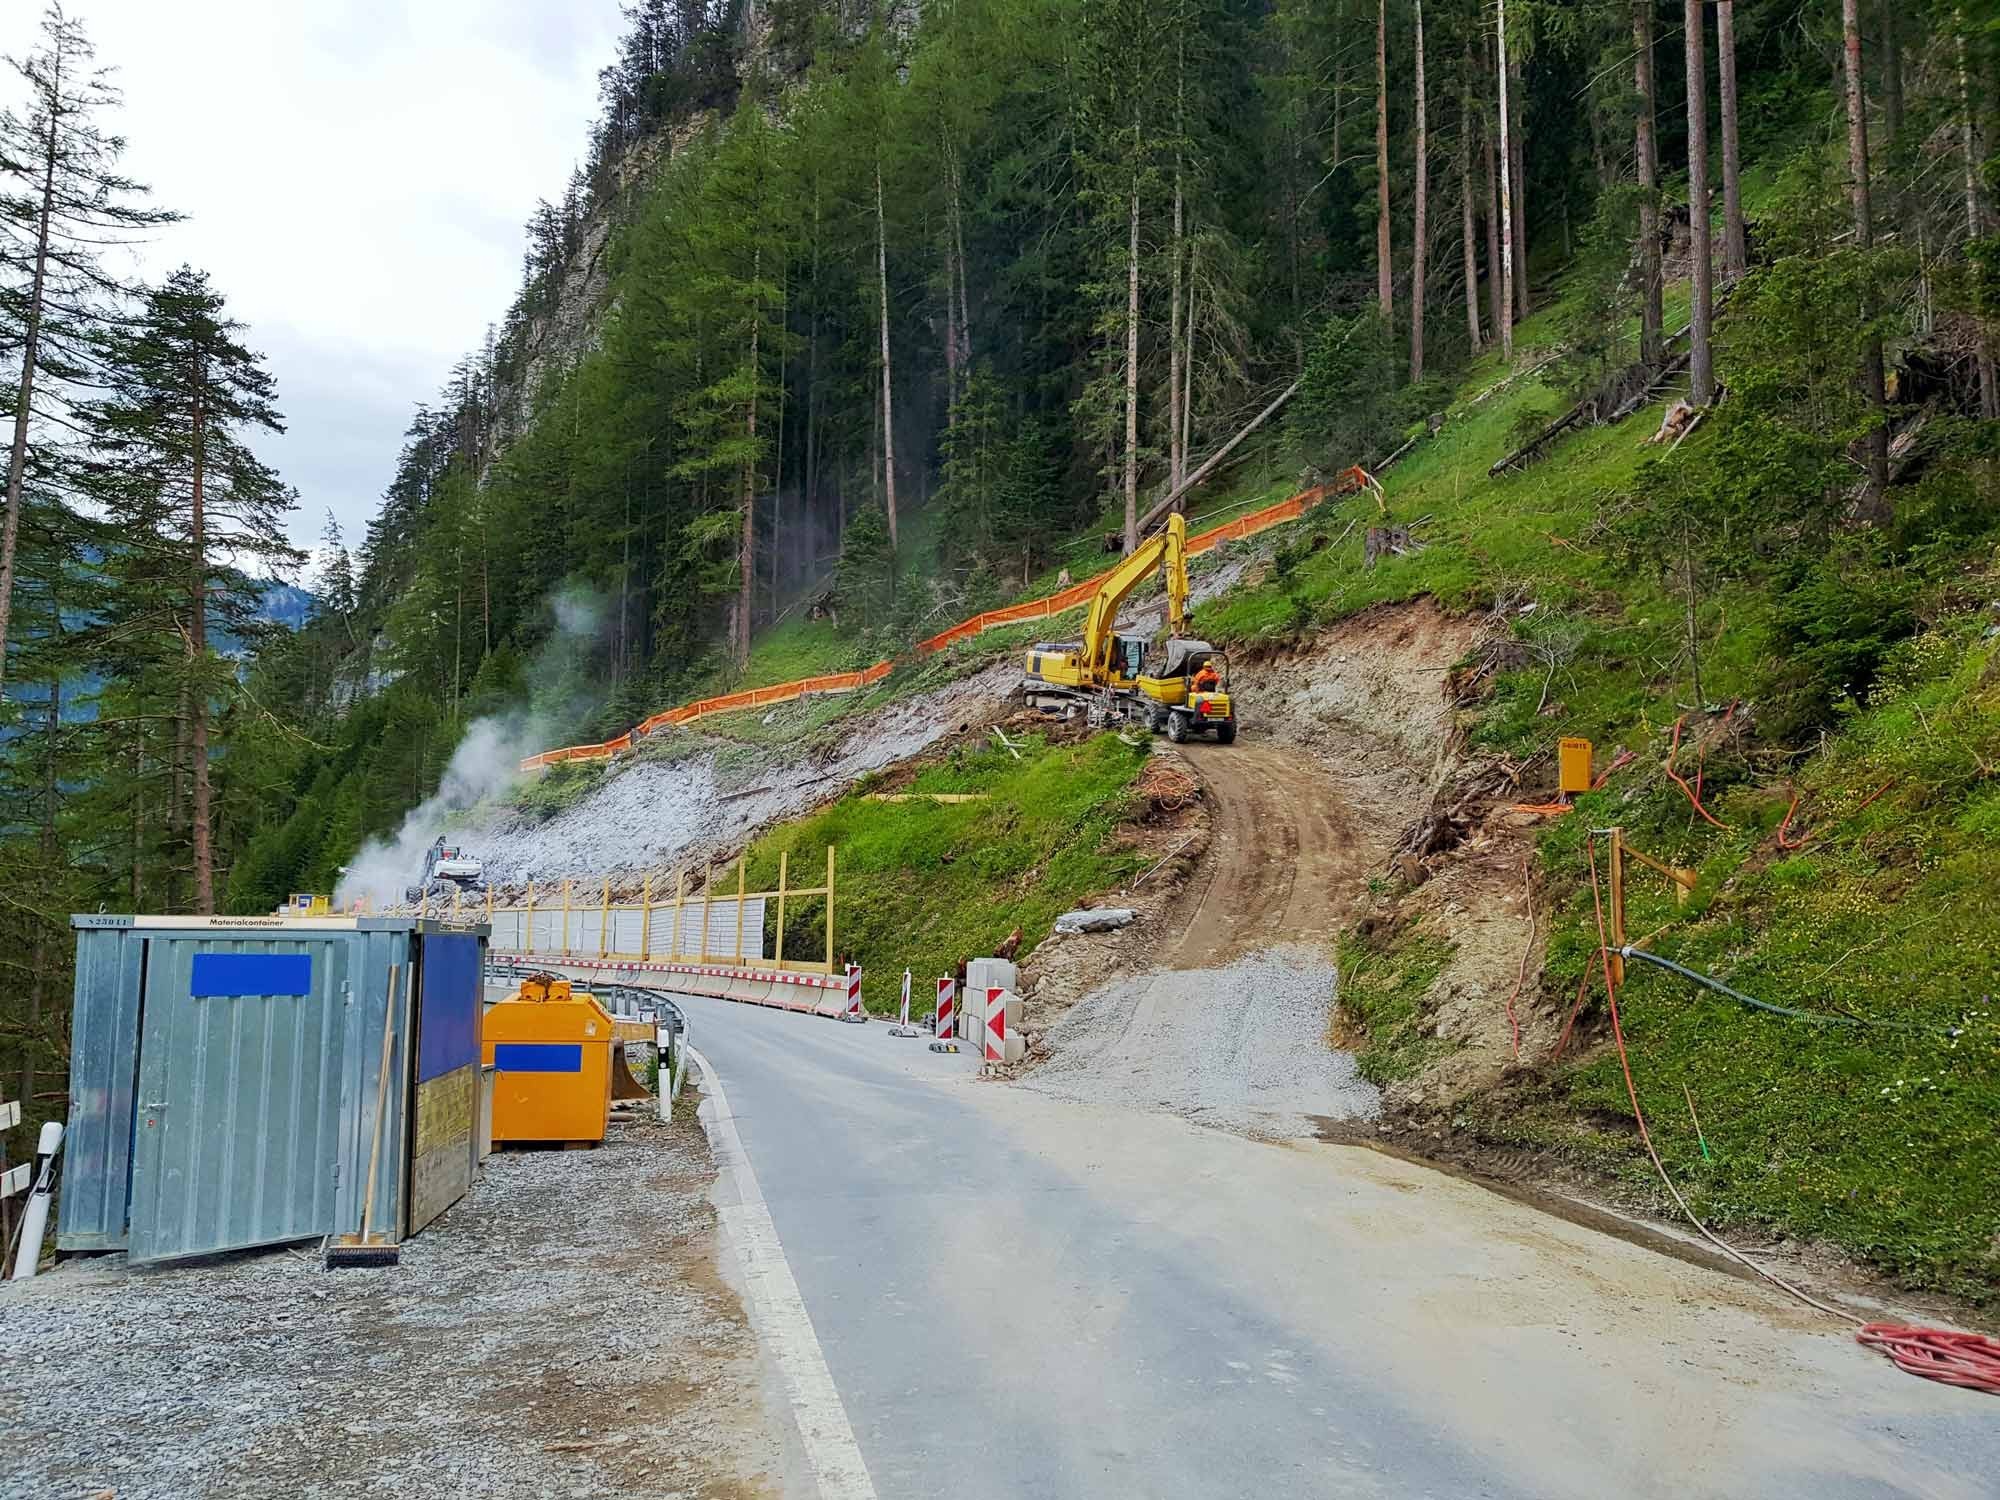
pixel 624 1085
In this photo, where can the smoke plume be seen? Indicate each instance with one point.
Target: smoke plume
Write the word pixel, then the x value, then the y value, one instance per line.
pixel 486 762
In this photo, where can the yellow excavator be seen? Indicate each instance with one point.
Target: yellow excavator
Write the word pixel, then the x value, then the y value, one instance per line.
pixel 1181 687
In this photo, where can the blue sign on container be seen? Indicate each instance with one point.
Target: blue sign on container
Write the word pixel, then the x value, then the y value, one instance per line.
pixel 231 975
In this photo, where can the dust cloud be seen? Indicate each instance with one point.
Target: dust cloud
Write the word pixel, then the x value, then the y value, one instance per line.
pixel 486 762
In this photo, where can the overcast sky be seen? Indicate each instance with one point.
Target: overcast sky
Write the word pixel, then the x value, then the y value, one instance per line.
pixel 355 175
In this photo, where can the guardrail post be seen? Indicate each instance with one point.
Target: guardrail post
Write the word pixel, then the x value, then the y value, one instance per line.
pixel 829 908
pixel 604 922
pixel 646 918
pixel 740 889
pixel 784 863
pixel 565 932
pixel 528 922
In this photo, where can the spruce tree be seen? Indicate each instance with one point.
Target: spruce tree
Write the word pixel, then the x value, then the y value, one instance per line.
pixel 62 204
pixel 194 506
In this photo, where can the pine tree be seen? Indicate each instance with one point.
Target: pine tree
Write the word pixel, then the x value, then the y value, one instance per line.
pixel 62 203
pixel 188 497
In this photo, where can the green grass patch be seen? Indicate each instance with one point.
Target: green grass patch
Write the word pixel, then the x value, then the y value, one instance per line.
pixel 1382 989
pixel 556 790
pixel 924 884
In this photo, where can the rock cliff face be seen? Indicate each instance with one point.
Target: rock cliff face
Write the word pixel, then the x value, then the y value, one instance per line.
pixel 556 339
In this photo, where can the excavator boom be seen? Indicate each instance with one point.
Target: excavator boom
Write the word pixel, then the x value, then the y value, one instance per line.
pixel 1166 548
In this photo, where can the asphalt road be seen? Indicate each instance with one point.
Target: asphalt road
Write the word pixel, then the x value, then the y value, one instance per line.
pixel 1026 1296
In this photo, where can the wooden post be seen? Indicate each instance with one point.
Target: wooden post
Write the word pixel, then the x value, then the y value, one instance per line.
pixel 604 922
pixel 829 908
pixel 565 932
pixel 680 905
pixel 740 889
pixel 528 922
pixel 707 886
pixel 784 863
pixel 646 918
pixel 1617 904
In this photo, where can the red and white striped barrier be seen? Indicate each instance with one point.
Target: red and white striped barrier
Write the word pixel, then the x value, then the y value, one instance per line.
pixel 779 989
pixel 947 1008
pixel 996 1025
pixel 1002 1042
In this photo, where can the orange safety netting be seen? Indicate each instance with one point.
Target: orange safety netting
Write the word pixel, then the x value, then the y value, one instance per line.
pixel 1073 597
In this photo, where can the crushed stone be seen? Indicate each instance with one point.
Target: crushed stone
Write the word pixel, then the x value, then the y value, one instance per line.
pixel 1241 1048
pixel 656 813
pixel 560 1331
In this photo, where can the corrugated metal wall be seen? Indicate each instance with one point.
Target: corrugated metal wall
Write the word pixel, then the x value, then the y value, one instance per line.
pixel 103 1067
pixel 224 1083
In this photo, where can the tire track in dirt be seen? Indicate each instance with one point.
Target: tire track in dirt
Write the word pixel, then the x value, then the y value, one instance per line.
pixel 1286 860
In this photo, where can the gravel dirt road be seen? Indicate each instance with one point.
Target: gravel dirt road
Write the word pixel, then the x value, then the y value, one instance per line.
pixel 562 1331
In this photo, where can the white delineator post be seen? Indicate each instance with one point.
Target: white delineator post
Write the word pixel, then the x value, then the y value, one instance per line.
pixel 35 1221
pixel 906 999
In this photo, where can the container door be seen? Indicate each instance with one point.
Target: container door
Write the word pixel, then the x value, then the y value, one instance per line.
pixel 444 1147
pixel 235 1140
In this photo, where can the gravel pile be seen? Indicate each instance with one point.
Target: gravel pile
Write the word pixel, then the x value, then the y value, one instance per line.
pixel 1242 1048
pixel 559 1332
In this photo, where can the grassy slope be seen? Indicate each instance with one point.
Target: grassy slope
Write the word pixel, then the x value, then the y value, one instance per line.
pixel 923 884
pixel 1878 1138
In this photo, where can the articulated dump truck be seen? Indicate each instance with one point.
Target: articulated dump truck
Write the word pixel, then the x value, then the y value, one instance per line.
pixel 1181 687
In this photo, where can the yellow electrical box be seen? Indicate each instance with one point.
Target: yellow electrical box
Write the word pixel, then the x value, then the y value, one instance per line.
pixel 305 904
pixel 550 1050
pixel 1573 767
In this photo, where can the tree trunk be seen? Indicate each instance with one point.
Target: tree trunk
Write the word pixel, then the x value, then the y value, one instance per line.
pixel 1506 197
pixel 1735 246
pixel 1176 458
pixel 1132 376
pixel 51 853
pixel 1422 232
pixel 1892 74
pixel 204 853
pixel 1187 373
pixel 888 407
pixel 1467 233
pixel 746 553
pixel 1975 223
pixel 1872 381
pixel 138 819
pixel 1652 346
pixel 1517 137
pixel 1492 217
pixel 1701 366
pixel 1385 286
pixel 17 456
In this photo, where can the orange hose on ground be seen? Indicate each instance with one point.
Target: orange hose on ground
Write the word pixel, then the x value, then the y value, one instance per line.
pixel 1694 797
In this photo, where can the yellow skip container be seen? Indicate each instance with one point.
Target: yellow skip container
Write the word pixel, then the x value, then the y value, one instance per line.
pixel 550 1050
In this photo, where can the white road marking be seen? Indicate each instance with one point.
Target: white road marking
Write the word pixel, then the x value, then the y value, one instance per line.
pixel 779 1312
